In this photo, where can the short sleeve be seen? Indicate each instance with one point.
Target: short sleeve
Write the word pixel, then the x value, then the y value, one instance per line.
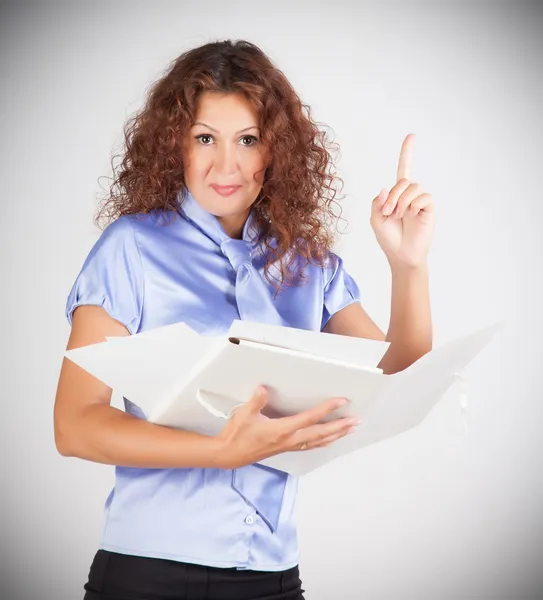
pixel 340 288
pixel 112 276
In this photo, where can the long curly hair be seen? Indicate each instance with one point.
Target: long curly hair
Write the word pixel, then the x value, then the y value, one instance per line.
pixel 294 210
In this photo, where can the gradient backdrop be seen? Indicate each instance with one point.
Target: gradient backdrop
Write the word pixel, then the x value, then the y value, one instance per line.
pixel 431 514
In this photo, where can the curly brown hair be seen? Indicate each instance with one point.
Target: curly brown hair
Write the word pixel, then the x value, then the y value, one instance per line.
pixel 294 206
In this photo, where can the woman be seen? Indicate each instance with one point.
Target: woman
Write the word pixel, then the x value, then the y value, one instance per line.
pixel 221 210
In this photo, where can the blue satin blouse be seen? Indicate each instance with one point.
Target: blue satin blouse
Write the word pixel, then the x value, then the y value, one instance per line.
pixel 147 272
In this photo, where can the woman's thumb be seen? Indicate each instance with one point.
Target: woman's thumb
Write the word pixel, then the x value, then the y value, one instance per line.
pixel 258 399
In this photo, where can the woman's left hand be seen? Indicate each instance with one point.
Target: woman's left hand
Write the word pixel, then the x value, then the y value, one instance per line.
pixel 403 219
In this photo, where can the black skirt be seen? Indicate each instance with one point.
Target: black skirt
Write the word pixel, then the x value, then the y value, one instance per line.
pixel 115 576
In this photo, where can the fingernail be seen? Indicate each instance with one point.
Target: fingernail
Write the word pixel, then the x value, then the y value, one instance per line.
pixel 341 402
pixel 352 430
pixel 386 211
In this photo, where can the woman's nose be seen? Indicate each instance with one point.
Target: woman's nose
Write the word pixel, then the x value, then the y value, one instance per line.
pixel 226 160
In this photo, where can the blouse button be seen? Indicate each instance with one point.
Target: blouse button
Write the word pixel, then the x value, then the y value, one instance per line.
pixel 249 520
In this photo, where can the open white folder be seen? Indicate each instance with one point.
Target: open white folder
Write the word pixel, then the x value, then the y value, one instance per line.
pixel 182 379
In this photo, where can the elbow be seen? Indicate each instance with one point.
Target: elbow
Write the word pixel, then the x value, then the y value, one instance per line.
pixel 62 445
pixel 63 442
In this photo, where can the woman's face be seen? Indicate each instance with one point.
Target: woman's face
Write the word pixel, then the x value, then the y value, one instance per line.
pixel 224 149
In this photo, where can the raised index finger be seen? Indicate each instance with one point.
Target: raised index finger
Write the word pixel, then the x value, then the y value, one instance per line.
pixel 404 163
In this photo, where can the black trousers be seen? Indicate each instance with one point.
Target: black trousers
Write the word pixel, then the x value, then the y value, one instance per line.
pixel 115 576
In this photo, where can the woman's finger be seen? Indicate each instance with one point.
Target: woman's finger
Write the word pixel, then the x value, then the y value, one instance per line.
pixel 309 417
pixel 394 194
pixel 314 433
pixel 404 162
pixel 422 202
pixel 407 197
pixel 331 438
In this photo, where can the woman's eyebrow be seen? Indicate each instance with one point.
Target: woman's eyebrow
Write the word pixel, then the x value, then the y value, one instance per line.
pixel 217 131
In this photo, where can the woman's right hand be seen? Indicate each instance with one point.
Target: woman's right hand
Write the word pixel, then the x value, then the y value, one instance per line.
pixel 249 436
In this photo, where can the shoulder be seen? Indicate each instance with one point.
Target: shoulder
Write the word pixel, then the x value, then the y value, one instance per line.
pixel 121 227
pixel 128 225
pixel 327 266
pixel 136 228
pixel 116 237
pixel 331 261
pixel 142 225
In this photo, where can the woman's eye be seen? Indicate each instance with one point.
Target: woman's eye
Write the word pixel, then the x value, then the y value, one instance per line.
pixel 252 140
pixel 202 136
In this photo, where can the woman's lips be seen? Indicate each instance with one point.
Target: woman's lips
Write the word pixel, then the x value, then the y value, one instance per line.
pixel 225 190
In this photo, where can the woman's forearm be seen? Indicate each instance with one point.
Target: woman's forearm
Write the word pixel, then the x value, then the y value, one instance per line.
pixel 410 330
pixel 104 434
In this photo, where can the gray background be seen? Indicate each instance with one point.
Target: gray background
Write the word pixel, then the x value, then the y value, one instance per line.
pixel 431 514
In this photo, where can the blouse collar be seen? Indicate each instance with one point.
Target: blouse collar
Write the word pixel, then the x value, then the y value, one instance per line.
pixel 210 224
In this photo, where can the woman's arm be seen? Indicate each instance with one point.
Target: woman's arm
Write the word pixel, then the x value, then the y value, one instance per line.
pixel 410 328
pixel 87 427
pixel 105 434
